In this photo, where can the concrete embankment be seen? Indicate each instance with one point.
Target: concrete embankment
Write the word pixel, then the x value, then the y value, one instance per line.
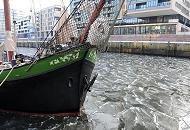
pixel 162 48
pixel 29 44
pixel 176 49
pixel 159 44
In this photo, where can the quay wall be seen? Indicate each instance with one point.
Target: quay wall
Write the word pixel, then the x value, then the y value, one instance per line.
pixel 29 44
pixel 161 48
pixel 176 45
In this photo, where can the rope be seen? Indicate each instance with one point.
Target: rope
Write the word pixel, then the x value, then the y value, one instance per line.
pixel 113 24
pixel 188 126
pixel 1 71
pixel 66 21
pixel 7 76
pixel 115 20
pixel 31 65
pixel 54 27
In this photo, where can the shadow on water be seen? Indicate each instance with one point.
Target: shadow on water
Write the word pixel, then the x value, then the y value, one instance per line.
pixel 22 122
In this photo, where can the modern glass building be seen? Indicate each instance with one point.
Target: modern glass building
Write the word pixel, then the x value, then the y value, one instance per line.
pixel 35 26
pixel 46 19
pixel 15 15
pixel 110 10
pixel 155 17
pixel 26 28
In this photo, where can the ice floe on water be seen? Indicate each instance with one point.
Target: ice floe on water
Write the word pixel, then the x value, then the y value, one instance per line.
pixel 132 92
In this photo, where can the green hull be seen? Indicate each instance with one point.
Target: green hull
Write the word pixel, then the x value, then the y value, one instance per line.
pixel 49 63
pixel 52 85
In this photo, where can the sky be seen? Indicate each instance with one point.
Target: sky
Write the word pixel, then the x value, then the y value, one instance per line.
pixel 25 5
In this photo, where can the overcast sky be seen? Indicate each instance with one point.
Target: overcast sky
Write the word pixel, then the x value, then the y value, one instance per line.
pixel 25 5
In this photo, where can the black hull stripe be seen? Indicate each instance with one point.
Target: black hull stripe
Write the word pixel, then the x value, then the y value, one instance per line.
pixel 45 93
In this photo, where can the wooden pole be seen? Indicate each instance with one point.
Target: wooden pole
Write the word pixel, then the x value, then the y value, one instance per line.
pixel 7 15
pixel 10 45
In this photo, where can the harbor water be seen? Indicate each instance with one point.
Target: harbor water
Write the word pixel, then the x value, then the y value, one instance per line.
pixel 132 92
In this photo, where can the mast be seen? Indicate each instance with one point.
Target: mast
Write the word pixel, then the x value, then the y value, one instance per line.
pixel 33 8
pixel 10 45
pixel 14 22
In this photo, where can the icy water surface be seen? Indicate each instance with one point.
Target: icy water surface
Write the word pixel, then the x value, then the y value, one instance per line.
pixel 132 92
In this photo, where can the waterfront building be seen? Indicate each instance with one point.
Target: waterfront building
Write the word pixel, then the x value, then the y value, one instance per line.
pixel 15 15
pixel 155 17
pixel 46 19
pixel 110 10
pixel 25 27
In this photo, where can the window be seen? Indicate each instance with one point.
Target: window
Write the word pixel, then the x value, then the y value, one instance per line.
pixel 57 9
pixel 123 30
pixel 162 29
pixel 131 30
pixel 171 29
pixel 116 31
pixel 138 30
pixel 56 18
pixel 51 33
pixel 183 9
pixel 141 5
pixel 148 30
pixel 142 29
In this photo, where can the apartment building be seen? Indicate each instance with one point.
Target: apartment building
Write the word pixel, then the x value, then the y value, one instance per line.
pixel 26 29
pixel 155 17
pixel 110 10
pixel 15 15
pixel 46 19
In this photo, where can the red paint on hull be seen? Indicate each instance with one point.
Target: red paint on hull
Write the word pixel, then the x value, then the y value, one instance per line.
pixel 71 114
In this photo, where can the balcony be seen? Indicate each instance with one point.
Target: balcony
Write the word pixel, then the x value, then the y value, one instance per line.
pixel 146 6
pixel 164 4
pixel 148 9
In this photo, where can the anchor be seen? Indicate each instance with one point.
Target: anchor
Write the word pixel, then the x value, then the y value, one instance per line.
pixel 87 86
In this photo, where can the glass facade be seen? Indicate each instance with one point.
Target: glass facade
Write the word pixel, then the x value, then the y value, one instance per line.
pixel 25 28
pixel 15 15
pixel 166 26
pixel 110 10
pixel 136 5
pixel 139 4
pixel 148 29
pixel 182 8
pixel 156 19
pixel 46 19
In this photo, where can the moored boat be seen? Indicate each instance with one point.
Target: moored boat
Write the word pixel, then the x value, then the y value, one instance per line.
pixel 55 84
pixel 57 79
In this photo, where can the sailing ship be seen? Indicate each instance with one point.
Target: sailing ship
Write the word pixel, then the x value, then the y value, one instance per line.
pixel 58 77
